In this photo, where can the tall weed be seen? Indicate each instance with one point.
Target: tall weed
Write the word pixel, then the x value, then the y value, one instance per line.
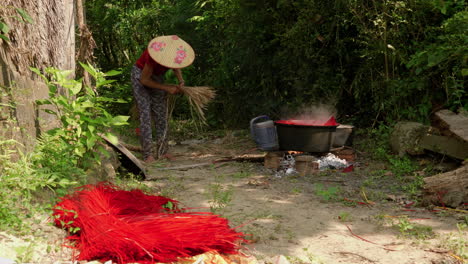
pixel 83 119
pixel 20 181
pixel 61 155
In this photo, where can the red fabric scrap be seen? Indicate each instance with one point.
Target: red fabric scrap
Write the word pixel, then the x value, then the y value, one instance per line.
pixel 350 168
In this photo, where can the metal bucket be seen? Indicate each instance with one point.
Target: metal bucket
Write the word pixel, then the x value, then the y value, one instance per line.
pixel 264 133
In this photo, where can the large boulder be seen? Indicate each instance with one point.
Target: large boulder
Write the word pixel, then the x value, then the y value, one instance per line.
pixel 406 137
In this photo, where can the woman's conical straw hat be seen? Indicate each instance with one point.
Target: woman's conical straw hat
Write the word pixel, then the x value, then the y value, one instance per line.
pixel 171 52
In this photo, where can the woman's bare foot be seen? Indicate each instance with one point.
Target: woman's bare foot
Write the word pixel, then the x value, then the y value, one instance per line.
pixel 168 157
pixel 149 159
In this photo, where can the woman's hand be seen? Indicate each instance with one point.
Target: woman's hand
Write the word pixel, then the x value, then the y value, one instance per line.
pixel 181 83
pixel 173 89
pixel 146 80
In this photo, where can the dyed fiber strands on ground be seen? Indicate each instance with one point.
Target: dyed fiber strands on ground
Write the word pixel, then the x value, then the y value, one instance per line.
pixel 130 226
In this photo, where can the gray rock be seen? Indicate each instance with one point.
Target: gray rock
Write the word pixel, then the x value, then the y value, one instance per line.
pixel 406 137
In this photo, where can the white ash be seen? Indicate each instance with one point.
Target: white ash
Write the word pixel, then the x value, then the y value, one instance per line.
pixel 331 161
pixel 286 166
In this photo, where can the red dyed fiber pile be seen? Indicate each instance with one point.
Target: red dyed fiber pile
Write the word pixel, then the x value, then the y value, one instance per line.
pixel 130 226
pixel 303 122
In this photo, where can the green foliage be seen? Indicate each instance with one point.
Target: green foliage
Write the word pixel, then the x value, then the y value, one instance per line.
pixel 5 28
pixel 185 129
pixel 22 179
pixel 50 160
pixel 241 174
pixel 62 155
pixel 83 119
pixel 404 172
pixel 219 196
pixel 122 30
pixel 327 193
pixel 374 141
pixel 457 242
pixel 25 253
pixel 412 230
pixel 345 217
pixel 401 166
pixel 444 60
pixel 69 228
pixel 373 60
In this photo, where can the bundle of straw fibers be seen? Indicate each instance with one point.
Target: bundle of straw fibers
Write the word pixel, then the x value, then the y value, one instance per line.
pixel 132 227
pixel 199 97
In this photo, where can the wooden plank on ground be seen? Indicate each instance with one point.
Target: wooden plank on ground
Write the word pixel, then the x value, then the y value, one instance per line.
pixel 186 167
pixel 451 124
pixel 128 160
pixel 449 146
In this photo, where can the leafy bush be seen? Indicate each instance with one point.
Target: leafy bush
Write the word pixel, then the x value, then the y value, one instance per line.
pixel 82 117
pixel 375 61
pixel 62 155
pixel 22 179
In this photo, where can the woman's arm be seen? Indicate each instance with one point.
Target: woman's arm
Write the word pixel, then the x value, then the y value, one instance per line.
pixel 146 80
pixel 178 74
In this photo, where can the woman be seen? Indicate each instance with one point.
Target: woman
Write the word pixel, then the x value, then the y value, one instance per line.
pixel 150 91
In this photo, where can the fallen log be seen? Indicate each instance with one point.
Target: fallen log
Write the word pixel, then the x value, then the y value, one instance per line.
pixel 447 189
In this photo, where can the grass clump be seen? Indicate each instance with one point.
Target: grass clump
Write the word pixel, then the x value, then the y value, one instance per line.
pixel 22 182
pixel 457 242
pixel 219 197
pixel 327 193
pixel 403 173
pixel 411 230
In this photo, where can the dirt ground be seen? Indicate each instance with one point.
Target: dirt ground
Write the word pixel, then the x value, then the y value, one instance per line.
pixel 294 217
pixel 305 219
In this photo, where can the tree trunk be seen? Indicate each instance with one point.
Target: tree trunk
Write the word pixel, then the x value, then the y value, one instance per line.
pixel 87 44
pixel 49 41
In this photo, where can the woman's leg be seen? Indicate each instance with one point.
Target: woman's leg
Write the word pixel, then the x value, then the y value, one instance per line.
pixel 143 99
pixel 160 114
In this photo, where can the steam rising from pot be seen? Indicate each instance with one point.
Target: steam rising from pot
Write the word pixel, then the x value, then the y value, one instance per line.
pixel 318 114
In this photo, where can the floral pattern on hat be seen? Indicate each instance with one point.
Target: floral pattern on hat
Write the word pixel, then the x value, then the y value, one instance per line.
pixel 181 54
pixel 171 51
pixel 158 46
